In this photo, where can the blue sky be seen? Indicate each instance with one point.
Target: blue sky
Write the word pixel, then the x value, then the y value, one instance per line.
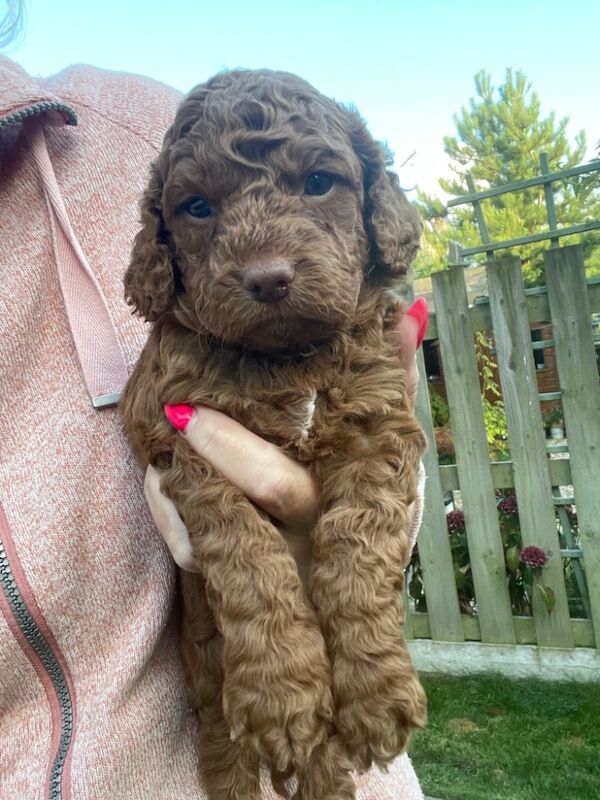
pixel 407 66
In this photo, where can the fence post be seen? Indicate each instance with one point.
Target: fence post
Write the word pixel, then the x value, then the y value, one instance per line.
pixel 435 554
pixel 472 458
pixel 578 372
pixel 537 519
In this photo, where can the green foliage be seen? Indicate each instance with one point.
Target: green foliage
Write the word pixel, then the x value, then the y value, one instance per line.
pixel 494 416
pixel 499 138
pixel 440 414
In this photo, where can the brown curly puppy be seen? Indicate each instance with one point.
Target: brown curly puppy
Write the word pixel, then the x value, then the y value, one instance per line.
pixel 271 234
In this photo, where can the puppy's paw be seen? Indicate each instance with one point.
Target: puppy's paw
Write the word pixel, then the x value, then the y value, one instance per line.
pixel 282 705
pixel 328 775
pixel 378 706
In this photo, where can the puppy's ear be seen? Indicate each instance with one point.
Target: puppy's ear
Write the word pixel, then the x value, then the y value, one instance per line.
pixel 393 226
pixel 149 279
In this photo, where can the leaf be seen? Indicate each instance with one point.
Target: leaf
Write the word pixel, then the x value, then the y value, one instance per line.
pixel 512 558
pixel 548 596
pixel 527 574
pixel 415 588
pixel 461 581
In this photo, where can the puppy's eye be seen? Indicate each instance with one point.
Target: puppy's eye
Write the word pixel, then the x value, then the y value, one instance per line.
pixel 318 183
pixel 198 208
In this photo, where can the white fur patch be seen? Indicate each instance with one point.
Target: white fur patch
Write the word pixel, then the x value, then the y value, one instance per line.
pixel 311 404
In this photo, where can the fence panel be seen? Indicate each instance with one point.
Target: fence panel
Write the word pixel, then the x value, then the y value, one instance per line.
pixel 481 518
pixel 533 472
pixel 578 372
pixel 434 543
pixel 527 444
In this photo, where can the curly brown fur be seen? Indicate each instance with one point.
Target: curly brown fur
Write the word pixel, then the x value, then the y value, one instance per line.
pixel 314 679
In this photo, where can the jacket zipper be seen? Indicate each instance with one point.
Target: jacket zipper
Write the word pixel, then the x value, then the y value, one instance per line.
pixel 40 108
pixel 47 658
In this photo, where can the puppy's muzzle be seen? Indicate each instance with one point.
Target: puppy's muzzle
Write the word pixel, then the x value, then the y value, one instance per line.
pixel 268 281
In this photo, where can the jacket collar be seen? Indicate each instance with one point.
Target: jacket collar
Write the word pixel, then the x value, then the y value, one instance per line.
pixel 22 96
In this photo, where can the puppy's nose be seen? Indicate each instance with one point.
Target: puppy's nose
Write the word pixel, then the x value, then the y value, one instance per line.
pixel 268 281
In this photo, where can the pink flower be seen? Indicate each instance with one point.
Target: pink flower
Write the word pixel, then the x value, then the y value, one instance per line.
pixel 455 521
pixel 533 556
pixel 509 505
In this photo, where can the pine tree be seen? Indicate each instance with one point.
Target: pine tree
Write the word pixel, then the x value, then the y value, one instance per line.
pixel 499 138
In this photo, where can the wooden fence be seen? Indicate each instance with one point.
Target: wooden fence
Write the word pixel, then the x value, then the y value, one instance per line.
pixel 544 515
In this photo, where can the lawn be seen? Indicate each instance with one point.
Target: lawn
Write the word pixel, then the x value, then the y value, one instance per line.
pixel 489 738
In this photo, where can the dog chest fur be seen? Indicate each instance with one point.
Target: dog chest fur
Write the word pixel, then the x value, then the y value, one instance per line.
pixel 289 400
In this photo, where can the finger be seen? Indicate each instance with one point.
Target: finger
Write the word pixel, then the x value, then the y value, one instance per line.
pixel 276 483
pixel 411 330
pixel 169 523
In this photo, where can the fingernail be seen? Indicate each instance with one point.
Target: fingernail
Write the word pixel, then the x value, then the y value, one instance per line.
pixel 419 312
pixel 179 416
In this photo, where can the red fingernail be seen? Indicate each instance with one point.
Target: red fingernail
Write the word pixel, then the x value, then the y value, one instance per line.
pixel 179 415
pixel 419 311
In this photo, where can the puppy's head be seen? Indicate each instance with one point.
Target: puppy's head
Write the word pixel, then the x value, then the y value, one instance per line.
pixel 267 208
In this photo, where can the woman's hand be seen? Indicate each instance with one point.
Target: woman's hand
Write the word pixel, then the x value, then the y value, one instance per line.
pixel 268 477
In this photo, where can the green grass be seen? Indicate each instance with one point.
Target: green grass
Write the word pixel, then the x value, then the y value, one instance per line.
pixel 489 738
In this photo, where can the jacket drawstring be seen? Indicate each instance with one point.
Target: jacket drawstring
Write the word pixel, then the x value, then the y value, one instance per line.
pixel 100 355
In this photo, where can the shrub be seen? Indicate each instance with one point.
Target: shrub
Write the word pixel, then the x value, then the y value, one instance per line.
pixel 440 414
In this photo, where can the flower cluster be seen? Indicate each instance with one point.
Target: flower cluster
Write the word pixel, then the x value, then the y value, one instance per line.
pixel 533 557
pixel 509 505
pixel 455 521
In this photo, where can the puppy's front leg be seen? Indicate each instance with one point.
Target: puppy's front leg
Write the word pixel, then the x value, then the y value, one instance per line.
pixel 360 548
pixel 276 691
pixel 230 769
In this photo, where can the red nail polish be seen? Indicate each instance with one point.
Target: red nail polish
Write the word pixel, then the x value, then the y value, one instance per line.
pixel 179 415
pixel 419 311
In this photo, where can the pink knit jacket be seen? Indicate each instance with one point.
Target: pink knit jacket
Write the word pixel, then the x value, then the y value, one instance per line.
pixel 92 701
